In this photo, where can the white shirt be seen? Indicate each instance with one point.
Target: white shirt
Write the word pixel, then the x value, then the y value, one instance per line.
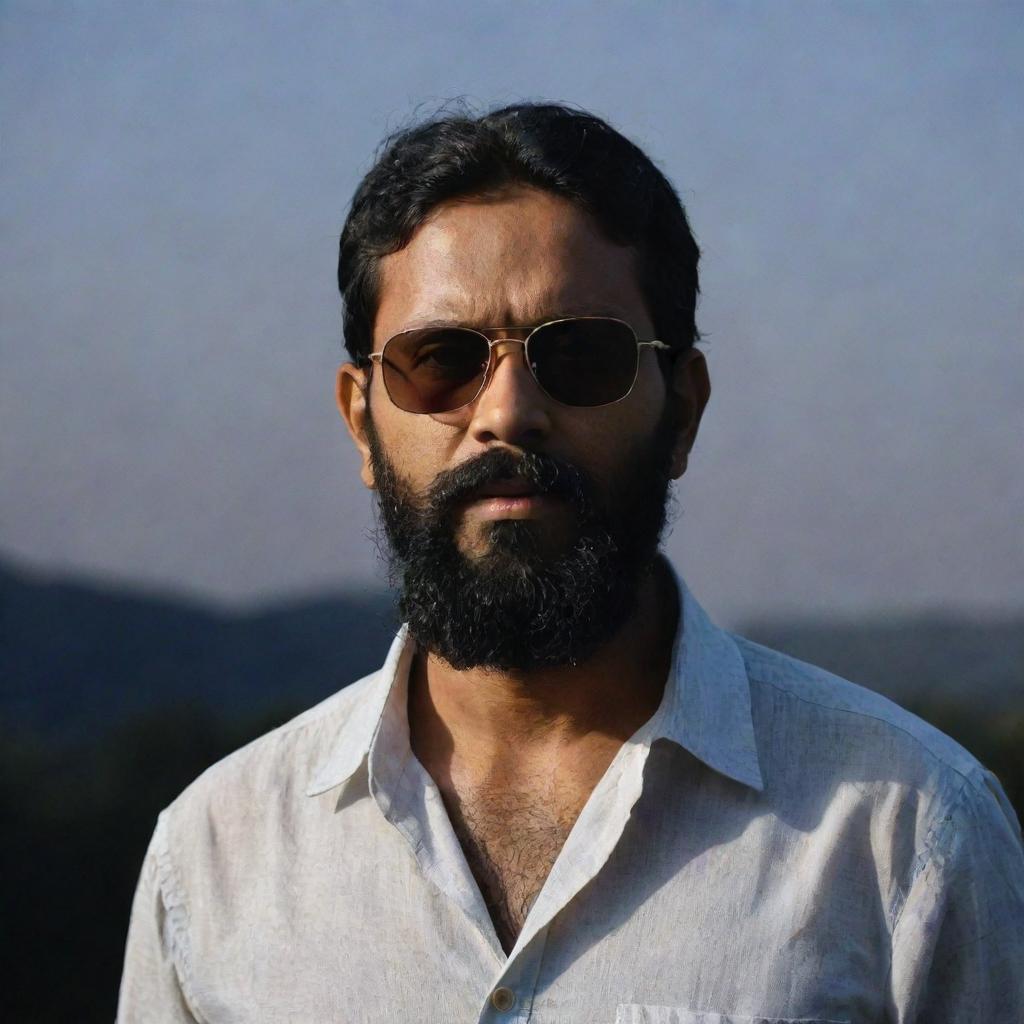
pixel 774 844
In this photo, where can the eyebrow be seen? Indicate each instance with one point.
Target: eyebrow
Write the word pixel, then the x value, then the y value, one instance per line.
pixel 547 317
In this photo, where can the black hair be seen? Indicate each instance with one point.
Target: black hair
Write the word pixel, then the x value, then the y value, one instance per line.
pixel 561 150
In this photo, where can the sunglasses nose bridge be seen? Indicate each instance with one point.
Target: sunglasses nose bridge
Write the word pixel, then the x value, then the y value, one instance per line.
pixel 494 357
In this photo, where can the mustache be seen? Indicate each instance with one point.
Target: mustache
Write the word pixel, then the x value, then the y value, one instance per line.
pixel 547 474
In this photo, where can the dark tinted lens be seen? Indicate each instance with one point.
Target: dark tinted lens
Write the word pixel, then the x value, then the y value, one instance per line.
pixel 435 369
pixel 589 361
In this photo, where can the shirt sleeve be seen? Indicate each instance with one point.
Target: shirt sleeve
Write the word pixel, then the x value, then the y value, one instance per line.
pixel 958 945
pixel 151 984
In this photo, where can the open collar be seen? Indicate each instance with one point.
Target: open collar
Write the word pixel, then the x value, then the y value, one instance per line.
pixel 705 709
pixel 351 743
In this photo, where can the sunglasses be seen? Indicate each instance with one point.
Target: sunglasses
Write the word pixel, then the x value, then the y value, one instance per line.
pixel 583 361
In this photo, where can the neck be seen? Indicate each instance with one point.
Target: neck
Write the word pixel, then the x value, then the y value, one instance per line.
pixel 498 720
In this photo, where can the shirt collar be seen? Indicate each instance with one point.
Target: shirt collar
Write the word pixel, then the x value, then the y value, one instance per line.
pixel 706 707
pixel 351 743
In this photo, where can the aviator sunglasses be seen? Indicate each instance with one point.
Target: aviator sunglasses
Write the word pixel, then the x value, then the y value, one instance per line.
pixel 579 361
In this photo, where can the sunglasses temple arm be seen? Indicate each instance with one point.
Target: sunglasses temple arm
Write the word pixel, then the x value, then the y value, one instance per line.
pixel 392 365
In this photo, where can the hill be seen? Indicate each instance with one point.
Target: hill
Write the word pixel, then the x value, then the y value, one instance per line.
pixel 77 656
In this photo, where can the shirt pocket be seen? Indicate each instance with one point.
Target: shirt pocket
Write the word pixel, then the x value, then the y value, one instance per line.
pixel 645 1013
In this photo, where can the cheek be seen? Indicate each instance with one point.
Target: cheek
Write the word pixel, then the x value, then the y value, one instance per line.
pixel 415 461
pixel 417 447
pixel 651 387
pixel 608 437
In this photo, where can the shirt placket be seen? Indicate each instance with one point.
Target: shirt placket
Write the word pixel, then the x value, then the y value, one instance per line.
pixel 510 999
pixel 587 849
pixel 412 803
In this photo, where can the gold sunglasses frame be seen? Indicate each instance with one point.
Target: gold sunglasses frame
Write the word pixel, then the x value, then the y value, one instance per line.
pixel 658 346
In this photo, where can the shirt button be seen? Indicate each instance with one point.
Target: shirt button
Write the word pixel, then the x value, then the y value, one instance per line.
pixel 503 999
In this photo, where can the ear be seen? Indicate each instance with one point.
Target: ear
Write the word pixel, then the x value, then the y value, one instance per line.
pixel 351 388
pixel 689 389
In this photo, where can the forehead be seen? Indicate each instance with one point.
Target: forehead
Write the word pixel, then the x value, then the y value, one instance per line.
pixel 519 258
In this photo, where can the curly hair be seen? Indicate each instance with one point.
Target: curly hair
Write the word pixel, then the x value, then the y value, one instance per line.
pixel 561 150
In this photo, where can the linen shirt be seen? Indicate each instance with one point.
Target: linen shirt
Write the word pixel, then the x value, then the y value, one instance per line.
pixel 774 844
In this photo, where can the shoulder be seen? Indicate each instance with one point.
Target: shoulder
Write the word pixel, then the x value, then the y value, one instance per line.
pixel 840 760
pixel 269 774
pixel 812 698
pixel 812 723
pixel 228 841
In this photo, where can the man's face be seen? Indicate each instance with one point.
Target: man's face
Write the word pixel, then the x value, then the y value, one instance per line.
pixel 542 577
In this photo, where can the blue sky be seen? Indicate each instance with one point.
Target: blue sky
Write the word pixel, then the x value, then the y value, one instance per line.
pixel 173 178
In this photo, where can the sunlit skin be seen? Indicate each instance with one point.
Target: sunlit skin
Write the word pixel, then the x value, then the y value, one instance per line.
pixel 523 258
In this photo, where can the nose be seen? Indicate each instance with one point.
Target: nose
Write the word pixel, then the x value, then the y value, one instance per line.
pixel 511 408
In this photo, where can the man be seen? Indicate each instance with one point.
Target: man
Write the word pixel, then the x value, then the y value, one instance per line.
pixel 567 796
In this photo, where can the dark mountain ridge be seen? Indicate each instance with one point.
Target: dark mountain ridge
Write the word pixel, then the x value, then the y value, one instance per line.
pixel 77 656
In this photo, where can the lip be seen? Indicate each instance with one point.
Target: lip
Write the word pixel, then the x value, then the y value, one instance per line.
pixel 512 506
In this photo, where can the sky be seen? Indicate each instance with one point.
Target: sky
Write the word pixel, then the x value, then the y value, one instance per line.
pixel 174 177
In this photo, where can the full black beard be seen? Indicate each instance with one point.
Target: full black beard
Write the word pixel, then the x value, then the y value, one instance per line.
pixel 520 607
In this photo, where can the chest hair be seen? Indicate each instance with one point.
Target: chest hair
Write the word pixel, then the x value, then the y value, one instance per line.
pixel 511 839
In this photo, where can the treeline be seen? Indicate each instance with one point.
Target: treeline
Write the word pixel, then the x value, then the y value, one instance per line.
pixel 76 819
